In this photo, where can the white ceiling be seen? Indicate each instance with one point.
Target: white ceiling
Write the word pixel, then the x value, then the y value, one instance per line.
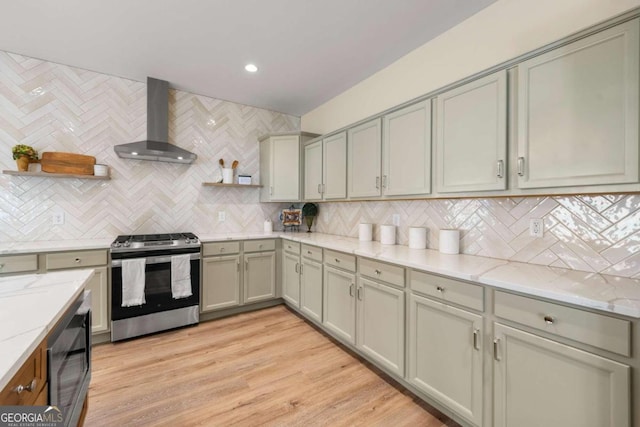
pixel 307 51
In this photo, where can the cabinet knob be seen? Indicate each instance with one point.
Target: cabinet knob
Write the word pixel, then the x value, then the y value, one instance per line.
pixel 259 246
pixel 222 249
pixel 440 289
pixel 29 387
pixel 1 266
pixel 549 320
pixel 337 260
pixel 309 252
pixel 77 260
pixel 378 272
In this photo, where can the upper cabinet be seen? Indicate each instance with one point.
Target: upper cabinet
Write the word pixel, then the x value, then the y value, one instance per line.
pixel 280 167
pixel 364 152
pixel 578 112
pixel 406 151
pixel 325 168
pixel 471 150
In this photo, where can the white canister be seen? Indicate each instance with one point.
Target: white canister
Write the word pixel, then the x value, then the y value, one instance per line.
pixel 449 241
pixel 100 170
pixel 227 176
pixel 417 237
pixel 268 226
pixel 365 232
pixel 388 234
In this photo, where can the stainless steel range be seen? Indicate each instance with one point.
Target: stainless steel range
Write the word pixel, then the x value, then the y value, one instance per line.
pixel 155 283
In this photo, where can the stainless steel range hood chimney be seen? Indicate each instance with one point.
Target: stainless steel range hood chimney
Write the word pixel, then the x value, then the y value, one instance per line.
pixel 156 147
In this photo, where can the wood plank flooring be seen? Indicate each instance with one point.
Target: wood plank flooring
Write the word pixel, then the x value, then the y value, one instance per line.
pixel 267 367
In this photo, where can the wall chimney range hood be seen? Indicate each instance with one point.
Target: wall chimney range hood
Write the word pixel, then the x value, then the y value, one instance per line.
pixel 156 147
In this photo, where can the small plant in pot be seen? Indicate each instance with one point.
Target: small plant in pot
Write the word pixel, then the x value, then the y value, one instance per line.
pixel 23 155
pixel 309 211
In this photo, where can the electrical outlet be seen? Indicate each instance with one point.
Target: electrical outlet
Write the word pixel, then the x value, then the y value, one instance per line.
pixel 222 216
pixel 536 227
pixel 396 220
pixel 57 217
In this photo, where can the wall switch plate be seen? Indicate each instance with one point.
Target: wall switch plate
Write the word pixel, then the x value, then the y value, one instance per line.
pixel 222 216
pixel 536 227
pixel 396 220
pixel 57 217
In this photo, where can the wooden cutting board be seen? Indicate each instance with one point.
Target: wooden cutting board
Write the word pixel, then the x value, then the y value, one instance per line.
pixel 77 164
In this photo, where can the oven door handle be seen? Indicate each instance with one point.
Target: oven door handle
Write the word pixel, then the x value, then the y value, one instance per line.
pixel 153 260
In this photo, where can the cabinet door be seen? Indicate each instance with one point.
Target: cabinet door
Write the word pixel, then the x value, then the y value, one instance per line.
pixel 311 289
pixel 313 171
pixel 406 151
pixel 220 282
pixel 578 112
pixel 339 303
pixel 445 355
pixel 335 167
pixel 381 324
pixel 541 382
pixel 98 286
pixel 472 136
pixel 285 168
pixel 291 279
pixel 364 160
pixel 259 276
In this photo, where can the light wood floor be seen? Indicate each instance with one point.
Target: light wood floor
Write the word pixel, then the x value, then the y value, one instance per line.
pixel 262 368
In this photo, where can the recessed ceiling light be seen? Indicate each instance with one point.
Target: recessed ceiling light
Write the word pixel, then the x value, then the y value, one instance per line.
pixel 251 68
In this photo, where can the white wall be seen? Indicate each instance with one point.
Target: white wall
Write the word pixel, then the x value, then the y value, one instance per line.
pixel 502 31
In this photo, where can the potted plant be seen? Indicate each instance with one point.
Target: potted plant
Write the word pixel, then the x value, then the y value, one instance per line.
pixel 309 211
pixel 23 155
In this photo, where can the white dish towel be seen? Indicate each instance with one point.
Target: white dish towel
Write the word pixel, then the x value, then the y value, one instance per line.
pixel 133 282
pixel 181 276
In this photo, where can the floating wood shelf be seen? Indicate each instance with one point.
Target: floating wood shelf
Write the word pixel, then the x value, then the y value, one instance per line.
pixel 54 175
pixel 219 184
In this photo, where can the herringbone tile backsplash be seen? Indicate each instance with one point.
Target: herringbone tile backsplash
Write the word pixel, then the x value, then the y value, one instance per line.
pixel 59 108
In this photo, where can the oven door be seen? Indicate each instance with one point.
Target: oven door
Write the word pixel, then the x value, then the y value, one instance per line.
pixel 69 360
pixel 157 288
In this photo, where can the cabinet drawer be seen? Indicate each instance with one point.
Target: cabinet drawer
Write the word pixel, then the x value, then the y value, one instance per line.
pixel 220 248
pixel 18 263
pixel 589 328
pixel 76 259
pixel 464 294
pixel 340 260
pixel 312 252
pixel 32 372
pixel 259 245
pixel 392 274
pixel 293 247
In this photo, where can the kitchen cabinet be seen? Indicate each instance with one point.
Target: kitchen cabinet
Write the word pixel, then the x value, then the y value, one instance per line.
pixel 31 378
pixel 445 355
pixel 280 166
pixel 406 151
pixel 220 282
pixel 381 319
pixel 311 282
pixel 578 112
pixel 291 275
pixel 98 285
pixel 325 168
pixel 259 276
pixel 471 141
pixel 538 381
pixel 339 303
pixel 364 160
pixel 12 264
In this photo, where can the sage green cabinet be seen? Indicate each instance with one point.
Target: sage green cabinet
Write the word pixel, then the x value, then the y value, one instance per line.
pixel 291 278
pixel 339 303
pixel 313 171
pixel 99 287
pixel 259 276
pixel 311 289
pixel 220 282
pixel 363 158
pixel 325 168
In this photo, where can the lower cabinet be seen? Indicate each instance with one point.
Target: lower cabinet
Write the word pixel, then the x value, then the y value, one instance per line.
pixel 99 288
pixel 291 278
pixel 380 312
pixel 220 282
pixel 259 277
pixel 311 289
pixel 445 355
pixel 339 303
pixel 540 382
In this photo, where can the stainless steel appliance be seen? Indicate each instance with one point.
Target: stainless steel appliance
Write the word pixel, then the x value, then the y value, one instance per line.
pixel 160 311
pixel 69 360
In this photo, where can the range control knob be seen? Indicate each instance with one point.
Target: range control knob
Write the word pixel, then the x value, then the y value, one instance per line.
pixel 127 244
pixel 117 244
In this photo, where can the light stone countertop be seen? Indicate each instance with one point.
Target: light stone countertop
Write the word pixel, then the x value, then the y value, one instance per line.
pixel 30 306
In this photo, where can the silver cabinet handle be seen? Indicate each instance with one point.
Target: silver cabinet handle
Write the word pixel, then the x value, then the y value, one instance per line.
pixel 377 182
pixel 496 342
pixel 309 253
pixel 238 266
pixel 351 289
pixel 1 266
pixel 77 260
pixel 337 260
pixel 549 320
pixel 384 181
pixel 500 168
pixel 301 268
pixel 297 268
pixel 476 332
pixel 360 293
pixel 29 387
pixel 378 272
pixel 319 188
pixel 521 166
pixel 440 289
pixel 246 264
pixel 271 190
